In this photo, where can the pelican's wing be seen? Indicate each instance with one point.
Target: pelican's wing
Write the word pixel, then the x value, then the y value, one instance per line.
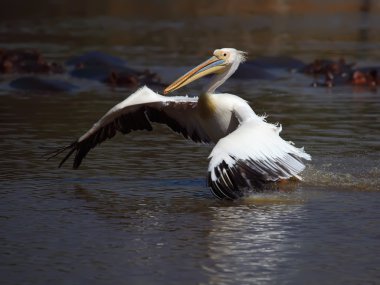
pixel 251 156
pixel 136 113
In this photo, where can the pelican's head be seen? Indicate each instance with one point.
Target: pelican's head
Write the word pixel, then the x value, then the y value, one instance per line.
pixel 224 62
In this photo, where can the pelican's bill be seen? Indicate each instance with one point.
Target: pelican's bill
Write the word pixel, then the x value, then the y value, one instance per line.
pixel 212 65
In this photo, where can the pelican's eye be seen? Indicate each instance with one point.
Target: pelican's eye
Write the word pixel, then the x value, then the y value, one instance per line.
pixel 222 54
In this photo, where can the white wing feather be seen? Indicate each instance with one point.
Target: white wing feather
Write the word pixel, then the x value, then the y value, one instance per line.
pixel 251 156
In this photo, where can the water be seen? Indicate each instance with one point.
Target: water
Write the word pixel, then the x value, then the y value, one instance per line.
pixel 138 210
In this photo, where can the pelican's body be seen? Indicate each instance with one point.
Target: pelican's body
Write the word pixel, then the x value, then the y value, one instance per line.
pixel 248 151
pixel 215 114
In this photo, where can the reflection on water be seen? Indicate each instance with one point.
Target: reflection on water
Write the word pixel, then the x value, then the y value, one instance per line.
pixel 137 212
pixel 253 242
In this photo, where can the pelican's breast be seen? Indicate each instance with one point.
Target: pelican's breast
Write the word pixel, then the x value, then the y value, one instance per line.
pixel 206 106
pixel 216 116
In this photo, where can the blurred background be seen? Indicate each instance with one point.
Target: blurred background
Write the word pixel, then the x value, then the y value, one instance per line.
pixel 138 210
pixel 163 30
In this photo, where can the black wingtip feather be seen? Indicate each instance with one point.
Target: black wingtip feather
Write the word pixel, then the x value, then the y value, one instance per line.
pixel 231 183
pixel 72 147
pixel 226 186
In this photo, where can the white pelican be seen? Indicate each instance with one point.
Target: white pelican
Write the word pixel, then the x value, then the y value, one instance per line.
pixel 248 151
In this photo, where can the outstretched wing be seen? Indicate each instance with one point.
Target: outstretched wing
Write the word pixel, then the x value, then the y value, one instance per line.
pixel 251 156
pixel 137 112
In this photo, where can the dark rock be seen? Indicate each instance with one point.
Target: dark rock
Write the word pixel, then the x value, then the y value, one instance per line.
pixel 96 58
pixel 278 62
pixel 250 71
pixel 40 84
pixel 98 73
pixel 95 65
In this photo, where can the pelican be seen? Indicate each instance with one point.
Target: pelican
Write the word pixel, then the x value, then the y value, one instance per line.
pixel 248 153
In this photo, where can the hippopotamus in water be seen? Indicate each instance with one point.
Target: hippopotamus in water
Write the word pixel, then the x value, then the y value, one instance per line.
pixel 26 61
pixel 109 69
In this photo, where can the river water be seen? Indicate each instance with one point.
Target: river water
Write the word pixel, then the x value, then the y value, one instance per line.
pixel 138 210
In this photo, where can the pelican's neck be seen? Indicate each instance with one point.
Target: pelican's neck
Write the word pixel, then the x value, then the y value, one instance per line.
pixel 220 78
pixel 216 81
